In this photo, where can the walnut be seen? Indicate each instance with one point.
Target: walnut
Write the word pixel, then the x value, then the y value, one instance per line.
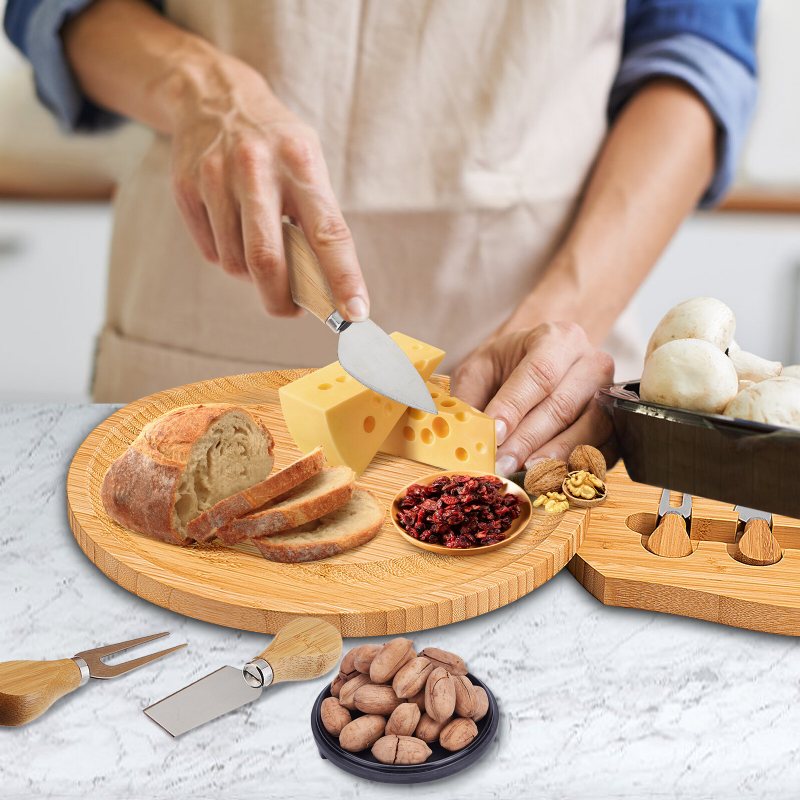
pixel 546 476
pixel 588 458
pixel 583 485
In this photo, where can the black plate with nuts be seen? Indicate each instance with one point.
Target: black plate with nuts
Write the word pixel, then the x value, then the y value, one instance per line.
pixel 440 764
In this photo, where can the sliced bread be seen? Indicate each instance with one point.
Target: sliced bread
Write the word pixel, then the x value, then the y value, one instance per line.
pixel 204 527
pixel 319 495
pixel 182 464
pixel 353 524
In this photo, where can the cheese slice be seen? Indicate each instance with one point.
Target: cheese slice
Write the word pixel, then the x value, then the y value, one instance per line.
pixel 330 409
pixel 458 437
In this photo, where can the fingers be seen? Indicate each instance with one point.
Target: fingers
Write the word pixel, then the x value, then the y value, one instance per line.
pixel 316 209
pixel 195 215
pixel 475 380
pixel 223 215
pixel 592 427
pixel 263 250
pixel 557 413
pixel 536 376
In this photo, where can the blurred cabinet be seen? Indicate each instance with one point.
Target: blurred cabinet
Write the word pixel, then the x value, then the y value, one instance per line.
pixel 53 261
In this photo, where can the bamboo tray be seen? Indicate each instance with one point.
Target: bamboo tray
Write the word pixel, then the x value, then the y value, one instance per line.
pixel 385 587
pixel 710 584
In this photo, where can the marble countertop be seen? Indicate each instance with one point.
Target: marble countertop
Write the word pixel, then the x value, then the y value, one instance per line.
pixel 595 701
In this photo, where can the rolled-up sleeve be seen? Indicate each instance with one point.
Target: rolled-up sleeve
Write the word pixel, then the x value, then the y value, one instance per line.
pixel 34 26
pixel 710 46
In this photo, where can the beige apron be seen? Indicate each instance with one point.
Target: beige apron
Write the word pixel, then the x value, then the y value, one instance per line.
pixel 458 134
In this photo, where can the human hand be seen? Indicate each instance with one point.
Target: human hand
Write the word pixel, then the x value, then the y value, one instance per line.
pixel 241 160
pixel 538 384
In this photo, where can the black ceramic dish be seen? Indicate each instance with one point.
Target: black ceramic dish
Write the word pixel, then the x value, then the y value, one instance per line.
pixel 709 455
pixel 440 764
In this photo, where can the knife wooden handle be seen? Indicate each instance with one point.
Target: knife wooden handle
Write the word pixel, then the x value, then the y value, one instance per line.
pixel 310 289
pixel 670 539
pixel 29 688
pixel 758 545
pixel 303 649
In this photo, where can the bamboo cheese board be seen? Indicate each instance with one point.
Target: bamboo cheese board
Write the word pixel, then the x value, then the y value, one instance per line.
pixel 384 587
pixel 614 563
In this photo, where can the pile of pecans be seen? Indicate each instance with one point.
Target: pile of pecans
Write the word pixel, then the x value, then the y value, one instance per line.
pixel 398 703
pixel 458 511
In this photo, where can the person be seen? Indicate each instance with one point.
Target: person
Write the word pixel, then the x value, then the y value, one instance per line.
pixel 502 175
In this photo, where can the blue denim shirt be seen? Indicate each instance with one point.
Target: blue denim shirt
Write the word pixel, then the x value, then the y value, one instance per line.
pixel 707 44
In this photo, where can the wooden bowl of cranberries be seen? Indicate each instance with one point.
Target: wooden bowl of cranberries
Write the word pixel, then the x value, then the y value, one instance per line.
pixel 461 513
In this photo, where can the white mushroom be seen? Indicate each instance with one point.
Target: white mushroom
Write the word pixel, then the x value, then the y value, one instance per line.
pixel 775 401
pixel 689 373
pixel 750 367
pixel 792 371
pixel 699 318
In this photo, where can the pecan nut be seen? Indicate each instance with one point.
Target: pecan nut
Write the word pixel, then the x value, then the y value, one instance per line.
pixel 440 695
pixel 404 720
pixel 400 750
pixel 412 676
pixel 390 658
pixel 457 734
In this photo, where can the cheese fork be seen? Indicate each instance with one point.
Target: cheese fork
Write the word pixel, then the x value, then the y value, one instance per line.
pixel 670 539
pixel 29 688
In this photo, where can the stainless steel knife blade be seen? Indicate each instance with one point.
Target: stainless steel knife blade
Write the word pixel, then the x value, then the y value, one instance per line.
pixel 210 697
pixel 373 358
pixel 365 351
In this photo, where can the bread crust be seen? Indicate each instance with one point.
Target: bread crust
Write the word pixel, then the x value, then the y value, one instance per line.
pixel 205 527
pixel 291 512
pixel 277 548
pixel 140 489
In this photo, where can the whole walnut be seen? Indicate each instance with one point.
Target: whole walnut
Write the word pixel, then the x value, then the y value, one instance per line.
pixel 545 476
pixel 588 458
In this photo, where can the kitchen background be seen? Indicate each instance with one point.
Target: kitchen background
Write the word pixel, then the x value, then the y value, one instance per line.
pixel 55 220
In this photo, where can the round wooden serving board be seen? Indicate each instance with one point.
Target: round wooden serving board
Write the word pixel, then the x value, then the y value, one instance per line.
pixel 384 587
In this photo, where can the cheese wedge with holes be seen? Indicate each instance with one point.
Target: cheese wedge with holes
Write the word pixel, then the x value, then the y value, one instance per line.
pixel 458 437
pixel 330 409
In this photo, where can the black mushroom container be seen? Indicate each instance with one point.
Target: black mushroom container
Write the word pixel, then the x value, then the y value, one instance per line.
pixel 440 764
pixel 709 455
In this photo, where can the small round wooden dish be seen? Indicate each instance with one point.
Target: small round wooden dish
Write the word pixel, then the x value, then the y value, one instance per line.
pixel 581 502
pixel 517 526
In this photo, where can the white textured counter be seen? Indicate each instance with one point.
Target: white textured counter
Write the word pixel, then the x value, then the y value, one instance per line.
pixel 595 701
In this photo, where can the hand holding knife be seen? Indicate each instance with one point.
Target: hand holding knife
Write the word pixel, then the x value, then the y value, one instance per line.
pixel 365 351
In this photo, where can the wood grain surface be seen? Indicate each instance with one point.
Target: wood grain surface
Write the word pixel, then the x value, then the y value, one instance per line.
pixel 29 688
pixel 384 587
pixel 615 565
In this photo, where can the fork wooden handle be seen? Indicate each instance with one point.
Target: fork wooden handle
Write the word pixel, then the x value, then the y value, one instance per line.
pixel 29 688
pixel 670 539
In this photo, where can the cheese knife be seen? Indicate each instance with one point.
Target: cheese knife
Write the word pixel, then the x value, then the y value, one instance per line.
pixel 303 649
pixel 366 352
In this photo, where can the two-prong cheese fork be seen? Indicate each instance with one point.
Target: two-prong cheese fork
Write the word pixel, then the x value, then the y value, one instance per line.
pixel 29 688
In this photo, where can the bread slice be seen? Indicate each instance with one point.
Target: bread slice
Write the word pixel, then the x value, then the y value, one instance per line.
pixel 319 495
pixel 353 524
pixel 182 464
pixel 204 527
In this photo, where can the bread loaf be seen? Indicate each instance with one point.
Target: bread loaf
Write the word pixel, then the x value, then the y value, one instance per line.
pixel 205 527
pixel 183 463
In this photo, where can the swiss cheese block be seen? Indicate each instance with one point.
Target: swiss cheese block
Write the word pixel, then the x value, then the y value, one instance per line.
pixel 458 437
pixel 330 409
